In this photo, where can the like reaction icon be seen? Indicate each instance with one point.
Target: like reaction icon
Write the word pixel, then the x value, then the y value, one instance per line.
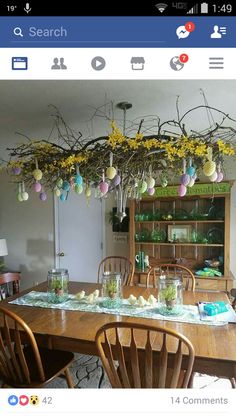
pixel 184 31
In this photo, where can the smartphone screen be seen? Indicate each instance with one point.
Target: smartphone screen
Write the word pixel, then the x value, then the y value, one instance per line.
pixel 117 226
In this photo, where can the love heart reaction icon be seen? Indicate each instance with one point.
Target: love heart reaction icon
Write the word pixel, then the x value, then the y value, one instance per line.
pixel 23 400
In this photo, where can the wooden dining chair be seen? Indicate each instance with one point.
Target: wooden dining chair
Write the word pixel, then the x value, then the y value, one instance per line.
pixel 118 264
pixel 170 269
pixel 9 284
pixel 22 363
pixel 157 361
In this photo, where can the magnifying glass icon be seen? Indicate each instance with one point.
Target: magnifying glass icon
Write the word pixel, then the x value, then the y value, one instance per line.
pixel 18 32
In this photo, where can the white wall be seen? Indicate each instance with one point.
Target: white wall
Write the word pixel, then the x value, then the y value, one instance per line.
pixel 29 232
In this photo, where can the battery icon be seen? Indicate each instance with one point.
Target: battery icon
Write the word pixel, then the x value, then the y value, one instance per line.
pixel 204 8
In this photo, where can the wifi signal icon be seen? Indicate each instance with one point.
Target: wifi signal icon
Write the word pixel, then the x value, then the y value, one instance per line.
pixel 161 7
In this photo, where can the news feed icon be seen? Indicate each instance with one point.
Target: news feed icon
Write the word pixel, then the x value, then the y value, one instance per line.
pixel 19 63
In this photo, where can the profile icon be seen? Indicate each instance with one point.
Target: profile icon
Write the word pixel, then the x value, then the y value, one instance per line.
pixel 216 34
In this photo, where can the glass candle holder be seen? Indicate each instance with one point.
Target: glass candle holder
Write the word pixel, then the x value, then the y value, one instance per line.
pixel 111 290
pixel 58 285
pixel 170 296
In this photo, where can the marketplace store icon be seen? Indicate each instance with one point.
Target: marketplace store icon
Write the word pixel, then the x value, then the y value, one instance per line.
pixel 137 63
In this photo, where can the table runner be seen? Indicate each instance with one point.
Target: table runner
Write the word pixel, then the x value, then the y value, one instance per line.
pixel 190 313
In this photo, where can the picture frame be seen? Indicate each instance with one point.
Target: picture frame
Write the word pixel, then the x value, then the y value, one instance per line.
pixel 179 233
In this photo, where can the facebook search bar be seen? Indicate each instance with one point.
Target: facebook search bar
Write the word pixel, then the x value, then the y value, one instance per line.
pixel 35 32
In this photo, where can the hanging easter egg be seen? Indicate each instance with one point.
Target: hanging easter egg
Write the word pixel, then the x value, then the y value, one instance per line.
pixel 19 197
pixel 103 186
pixel 191 182
pixel 78 188
pixel 57 192
pixel 66 186
pixel 143 186
pixel 151 191
pixel 42 196
pixel 25 196
pixel 37 187
pixel 111 172
pixel 16 171
pixel 185 179
pixel 182 190
pixel 116 180
pixel 150 182
pixel 220 177
pixel 209 168
pixel 59 182
pixel 213 177
pixel 88 192
pixel 63 197
pixel 190 171
pixel 37 173
pixel 78 179
pixel 164 183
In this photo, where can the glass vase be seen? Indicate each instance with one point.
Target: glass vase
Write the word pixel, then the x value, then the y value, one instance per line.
pixel 111 290
pixel 58 285
pixel 170 296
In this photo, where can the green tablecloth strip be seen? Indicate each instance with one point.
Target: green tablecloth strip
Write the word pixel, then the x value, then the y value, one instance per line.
pixel 190 313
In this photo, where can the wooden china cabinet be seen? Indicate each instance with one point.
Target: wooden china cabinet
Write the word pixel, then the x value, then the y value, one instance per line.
pixel 193 230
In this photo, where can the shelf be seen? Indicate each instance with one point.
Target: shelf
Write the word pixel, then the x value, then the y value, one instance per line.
pixel 181 244
pixel 181 222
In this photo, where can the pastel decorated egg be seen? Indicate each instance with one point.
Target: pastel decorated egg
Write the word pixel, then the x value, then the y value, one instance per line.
pixel 63 197
pixel 42 196
pixel 220 177
pixel 19 197
pixel 190 171
pixel 182 190
pixel 191 182
pixel 164 182
pixel 37 187
pixel 209 168
pixel 59 182
pixel 116 180
pixel 151 191
pixel 185 179
pixel 25 196
pixel 152 300
pixel 88 192
pixel 103 186
pixel 150 182
pixel 213 177
pixel 16 171
pixel 57 192
pixel 78 188
pixel 78 179
pixel 143 186
pixel 37 173
pixel 111 172
pixel 66 186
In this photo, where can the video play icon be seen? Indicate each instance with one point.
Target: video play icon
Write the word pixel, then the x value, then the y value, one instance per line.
pixel 98 63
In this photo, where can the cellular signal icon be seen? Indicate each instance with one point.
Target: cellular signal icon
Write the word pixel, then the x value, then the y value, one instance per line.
pixel 161 7
pixel 193 11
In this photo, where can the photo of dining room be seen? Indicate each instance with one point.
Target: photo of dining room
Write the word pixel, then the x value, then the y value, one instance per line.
pixel 117 227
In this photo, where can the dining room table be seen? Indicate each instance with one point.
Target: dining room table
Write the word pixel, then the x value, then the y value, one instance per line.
pixel 73 330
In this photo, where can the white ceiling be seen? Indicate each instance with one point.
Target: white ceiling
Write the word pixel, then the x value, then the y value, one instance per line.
pixel 24 104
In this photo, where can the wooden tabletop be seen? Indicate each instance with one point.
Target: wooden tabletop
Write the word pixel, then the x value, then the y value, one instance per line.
pixel 74 330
